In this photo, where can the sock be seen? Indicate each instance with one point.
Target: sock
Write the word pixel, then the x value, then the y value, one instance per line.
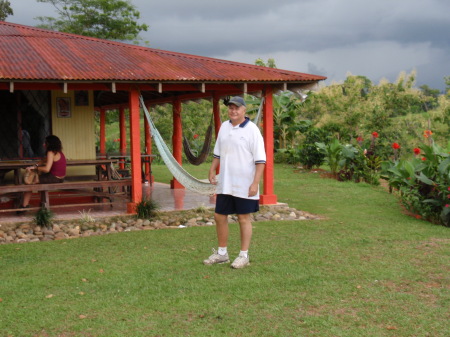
pixel 244 253
pixel 222 250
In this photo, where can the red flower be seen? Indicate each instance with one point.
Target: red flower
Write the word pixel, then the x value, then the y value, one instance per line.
pixel 359 139
pixel 447 205
pixel 416 151
pixel 375 134
pixel 427 133
pixel 395 146
pixel 195 136
pixel 448 188
pixel 417 216
pixel 423 158
pixel 117 140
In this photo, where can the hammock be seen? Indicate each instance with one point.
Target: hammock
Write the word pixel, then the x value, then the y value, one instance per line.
pixel 197 160
pixel 180 174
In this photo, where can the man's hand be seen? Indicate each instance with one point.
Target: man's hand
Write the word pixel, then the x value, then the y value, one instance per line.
pixel 253 189
pixel 212 178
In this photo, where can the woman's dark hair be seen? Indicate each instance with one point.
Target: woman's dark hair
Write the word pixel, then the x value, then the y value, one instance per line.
pixel 53 144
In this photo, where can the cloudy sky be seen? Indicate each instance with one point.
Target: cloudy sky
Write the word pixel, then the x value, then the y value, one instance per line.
pixel 378 39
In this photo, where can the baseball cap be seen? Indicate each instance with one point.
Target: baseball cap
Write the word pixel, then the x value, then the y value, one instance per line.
pixel 237 100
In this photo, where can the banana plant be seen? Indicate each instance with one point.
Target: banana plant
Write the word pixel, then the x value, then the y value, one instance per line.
pixel 333 154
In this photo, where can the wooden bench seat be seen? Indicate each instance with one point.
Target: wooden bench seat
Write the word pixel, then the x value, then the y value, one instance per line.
pixel 92 187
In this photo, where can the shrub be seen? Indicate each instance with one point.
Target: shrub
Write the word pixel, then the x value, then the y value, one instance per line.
pixel 332 152
pixel 308 153
pixel 43 217
pixel 423 182
pixel 146 208
pixel 86 217
pixel 356 166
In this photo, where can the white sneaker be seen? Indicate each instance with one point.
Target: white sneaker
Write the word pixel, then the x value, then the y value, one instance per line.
pixel 241 262
pixel 216 258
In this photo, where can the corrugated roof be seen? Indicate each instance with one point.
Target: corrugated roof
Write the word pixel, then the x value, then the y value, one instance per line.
pixel 34 54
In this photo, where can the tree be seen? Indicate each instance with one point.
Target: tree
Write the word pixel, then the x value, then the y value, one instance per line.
pixel 104 19
pixel 447 83
pixel 5 9
pixel 431 95
pixel 270 63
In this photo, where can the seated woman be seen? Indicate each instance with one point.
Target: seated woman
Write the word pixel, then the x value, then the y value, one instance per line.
pixel 52 169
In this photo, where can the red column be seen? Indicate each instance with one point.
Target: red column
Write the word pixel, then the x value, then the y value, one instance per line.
pixel 177 142
pixel 148 150
pixel 102 132
pixel 268 197
pixel 123 134
pixel 217 121
pixel 135 151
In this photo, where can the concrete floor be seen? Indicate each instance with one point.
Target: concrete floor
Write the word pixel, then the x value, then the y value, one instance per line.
pixel 168 199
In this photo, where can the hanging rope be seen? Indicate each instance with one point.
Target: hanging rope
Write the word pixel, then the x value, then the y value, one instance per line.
pixel 258 115
pixel 197 160
pixel 180 174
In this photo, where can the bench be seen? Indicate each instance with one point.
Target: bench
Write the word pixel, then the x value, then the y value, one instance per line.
pixel 92 187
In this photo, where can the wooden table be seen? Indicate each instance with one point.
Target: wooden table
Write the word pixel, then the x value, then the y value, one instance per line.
pixel 98 165
pixel 16 166
pixel 145 159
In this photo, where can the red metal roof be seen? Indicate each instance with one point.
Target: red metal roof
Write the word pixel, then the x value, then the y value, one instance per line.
pixel 34 54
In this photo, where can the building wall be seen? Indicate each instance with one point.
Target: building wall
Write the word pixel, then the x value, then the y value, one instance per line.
pixel 74 124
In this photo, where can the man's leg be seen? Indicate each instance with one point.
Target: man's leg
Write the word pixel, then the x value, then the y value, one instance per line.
pixel 220 256
pixel 246 230
pixel 222 229
pixel 246 235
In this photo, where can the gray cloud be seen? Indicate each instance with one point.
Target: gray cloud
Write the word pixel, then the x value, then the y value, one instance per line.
pixel 328 37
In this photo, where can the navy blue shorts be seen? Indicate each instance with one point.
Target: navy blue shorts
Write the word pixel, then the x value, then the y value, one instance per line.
pixel 228 204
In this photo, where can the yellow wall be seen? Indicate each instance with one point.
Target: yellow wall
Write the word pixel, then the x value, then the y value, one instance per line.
pixel 77 132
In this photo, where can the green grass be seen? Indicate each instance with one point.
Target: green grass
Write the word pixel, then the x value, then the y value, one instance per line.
pixel 368 270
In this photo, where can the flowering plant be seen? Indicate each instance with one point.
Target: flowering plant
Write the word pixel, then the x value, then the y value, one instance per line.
pixel 423 183
pixel 395 146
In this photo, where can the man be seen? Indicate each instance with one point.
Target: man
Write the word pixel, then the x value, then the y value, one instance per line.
pixel 240 152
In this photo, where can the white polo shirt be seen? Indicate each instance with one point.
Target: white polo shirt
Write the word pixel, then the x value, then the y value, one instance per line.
pixel 239 149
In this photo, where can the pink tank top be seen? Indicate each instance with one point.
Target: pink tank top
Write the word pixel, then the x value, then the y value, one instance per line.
pixel 59 167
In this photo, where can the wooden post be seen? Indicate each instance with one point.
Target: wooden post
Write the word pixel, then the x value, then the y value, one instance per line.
pixel 268 197
pixel 123 135
pixel 177 142
pixel 102 132
pixel 135 151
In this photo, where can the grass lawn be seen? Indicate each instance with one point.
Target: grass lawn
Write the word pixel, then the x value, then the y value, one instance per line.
pixel 368 270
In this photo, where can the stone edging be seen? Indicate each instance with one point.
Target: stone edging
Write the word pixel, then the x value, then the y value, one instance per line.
pixel 67 229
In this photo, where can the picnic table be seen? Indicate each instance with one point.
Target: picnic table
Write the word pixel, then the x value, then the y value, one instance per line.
pixel 18 165
pixel 92 187
pixel 124 161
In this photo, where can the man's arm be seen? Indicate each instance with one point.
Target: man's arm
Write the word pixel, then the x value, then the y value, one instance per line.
pixel 256 179
pixel 212 170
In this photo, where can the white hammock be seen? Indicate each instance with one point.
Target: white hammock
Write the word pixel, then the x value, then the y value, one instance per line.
pixel 180 174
